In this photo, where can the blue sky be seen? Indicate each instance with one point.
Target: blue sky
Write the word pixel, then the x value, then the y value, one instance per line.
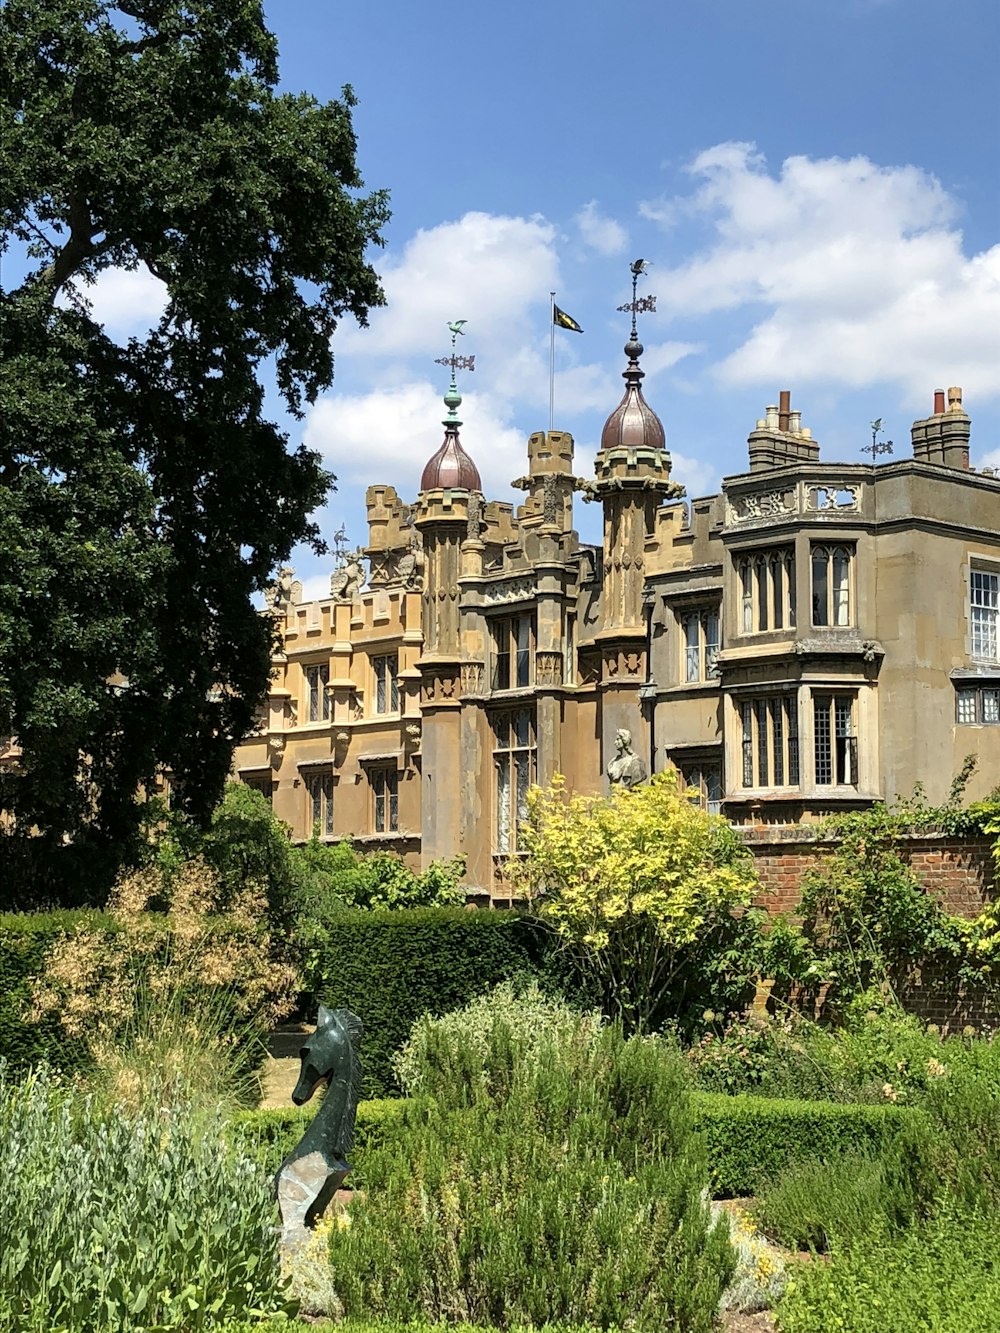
pixel 814 182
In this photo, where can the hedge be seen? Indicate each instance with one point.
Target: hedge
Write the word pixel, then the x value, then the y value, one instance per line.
pixel 751 1138
pixel 269 1135
pixel 748 1138
pixel 391 968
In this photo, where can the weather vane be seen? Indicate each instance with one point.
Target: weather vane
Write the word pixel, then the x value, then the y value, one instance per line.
pixel 877 446
pixel 456 362
pixel 639 305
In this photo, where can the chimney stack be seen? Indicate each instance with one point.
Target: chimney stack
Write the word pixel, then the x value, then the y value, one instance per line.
pixel 943 437
pixel 779 438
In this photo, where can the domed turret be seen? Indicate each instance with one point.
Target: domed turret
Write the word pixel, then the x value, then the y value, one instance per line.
pixel 451 467
pixel 633 423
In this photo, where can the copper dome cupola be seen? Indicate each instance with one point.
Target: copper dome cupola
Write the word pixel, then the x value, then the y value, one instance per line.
pixel 451 468
pixel 633 423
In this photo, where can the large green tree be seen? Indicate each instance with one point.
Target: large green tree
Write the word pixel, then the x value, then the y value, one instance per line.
pixel 145 495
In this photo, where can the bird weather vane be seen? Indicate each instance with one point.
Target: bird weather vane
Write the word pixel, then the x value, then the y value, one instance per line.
pixel 639 305
pixel 455 361
pixel 877 446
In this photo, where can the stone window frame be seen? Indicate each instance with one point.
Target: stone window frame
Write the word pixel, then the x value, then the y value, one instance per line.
pixel 984 597
pixel 262 781
pixel 512 651
pixel 835 738
pixel 985 705
pixel 832 595
pixel 765 589
pixel 385 678
pixel 316 698
pixel 770 744
pixel 699 652
pixel 318 785
pixel 706 777
pixel 383 780
pixel 515 751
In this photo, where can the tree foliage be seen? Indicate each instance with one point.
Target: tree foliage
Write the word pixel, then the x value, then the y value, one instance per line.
pixel 642 886
pixel 145 495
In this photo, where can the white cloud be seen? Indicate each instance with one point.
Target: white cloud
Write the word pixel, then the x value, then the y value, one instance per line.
pixel 125 301
pixel 484 268
pixel 662 356
pixel 601 233
pixel 388 435
pixel 855 273
pixel 700 478
pixel 990 459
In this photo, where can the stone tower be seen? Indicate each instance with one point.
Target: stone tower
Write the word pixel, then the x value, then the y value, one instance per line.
pixel 448 516
pixel 633 480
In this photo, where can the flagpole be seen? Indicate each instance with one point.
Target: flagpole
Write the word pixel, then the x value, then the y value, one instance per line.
pixel 552 359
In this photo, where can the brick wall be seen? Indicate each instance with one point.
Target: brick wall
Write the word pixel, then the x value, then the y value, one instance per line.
pixel 959 870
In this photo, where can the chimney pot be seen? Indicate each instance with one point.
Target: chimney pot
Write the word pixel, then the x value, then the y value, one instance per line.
pixel 771 412
pixel 785 404
pixel 795 422
pixel 955 399
pixel 938 401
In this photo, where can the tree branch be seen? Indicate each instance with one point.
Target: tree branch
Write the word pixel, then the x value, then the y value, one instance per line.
pixel 153 40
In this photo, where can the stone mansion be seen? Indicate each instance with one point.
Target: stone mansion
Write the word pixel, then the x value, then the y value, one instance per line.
pixel 815 637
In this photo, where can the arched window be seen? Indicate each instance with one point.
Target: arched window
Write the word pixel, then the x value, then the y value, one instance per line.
pixel 767 590
pixel 831 585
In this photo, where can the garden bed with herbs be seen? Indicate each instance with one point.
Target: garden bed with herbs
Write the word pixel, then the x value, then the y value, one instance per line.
pixel 543 1168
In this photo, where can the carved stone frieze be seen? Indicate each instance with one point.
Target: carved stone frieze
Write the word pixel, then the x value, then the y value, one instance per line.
pixel 508 590
pixel 842 499
pixel 472 674
pixel 550 500
pixel 439 687
pixel 759 504
pixel 548 668
pixel 624 663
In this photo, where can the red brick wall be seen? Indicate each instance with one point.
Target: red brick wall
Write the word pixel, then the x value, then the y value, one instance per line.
pixel 959 870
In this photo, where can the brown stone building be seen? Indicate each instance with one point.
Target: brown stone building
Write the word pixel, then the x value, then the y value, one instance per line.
pixel 816 636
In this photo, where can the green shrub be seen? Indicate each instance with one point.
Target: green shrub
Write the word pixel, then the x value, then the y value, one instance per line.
pixel 942 1276
pixel 426 1064
pixel 333 876
pixel 752 1139
pixel 565 1188
pixel 813 1204
pixel 880 1054
pixel 390 968
pixel 126 1222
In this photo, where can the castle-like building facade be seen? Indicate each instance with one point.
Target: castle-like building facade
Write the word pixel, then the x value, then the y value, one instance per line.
pixel 815 637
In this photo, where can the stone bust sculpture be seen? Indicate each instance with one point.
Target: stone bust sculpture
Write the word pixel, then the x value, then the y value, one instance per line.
pixel 626 768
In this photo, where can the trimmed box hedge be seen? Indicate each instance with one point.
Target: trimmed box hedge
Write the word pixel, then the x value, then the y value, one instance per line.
pixel 752 1138
pixel 748 1138
pixel 270 1135
pixel 391 968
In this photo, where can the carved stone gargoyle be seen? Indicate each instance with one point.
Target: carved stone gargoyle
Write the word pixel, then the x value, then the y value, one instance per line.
pixel 316 1168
